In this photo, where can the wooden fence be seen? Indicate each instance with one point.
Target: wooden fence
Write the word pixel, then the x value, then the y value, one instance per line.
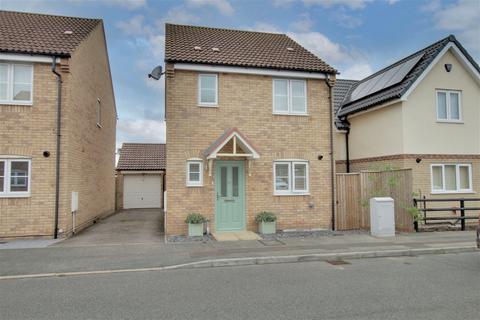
pixel 354 191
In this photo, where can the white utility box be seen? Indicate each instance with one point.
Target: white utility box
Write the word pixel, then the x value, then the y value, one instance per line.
pixel 382 217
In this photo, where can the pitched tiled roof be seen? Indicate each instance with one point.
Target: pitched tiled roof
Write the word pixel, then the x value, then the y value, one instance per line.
pixel 42 34
pixel 397 90
pixel 239 48
pixel 340 91
pixel 142 156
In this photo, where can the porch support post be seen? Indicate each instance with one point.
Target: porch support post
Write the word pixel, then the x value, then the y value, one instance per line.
pixel 249 163
pixel 210 164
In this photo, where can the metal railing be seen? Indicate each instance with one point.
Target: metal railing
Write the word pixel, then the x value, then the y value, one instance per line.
pixel 427 220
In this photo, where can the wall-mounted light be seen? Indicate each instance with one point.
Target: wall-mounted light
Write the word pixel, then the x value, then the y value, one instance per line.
pixel 448 67
pixel 320 157
pixel 418 160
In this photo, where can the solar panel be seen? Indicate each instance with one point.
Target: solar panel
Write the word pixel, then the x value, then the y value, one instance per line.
pixel 385 79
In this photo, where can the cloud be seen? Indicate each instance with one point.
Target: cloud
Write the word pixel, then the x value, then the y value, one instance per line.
pixel 282 3
pixel 320 45
pixel 347 21
pixel 305 23
pixel 133 26
pixel 129 4
pixel 142 130
pixel 461 17
pixel 351 4
pixel 264 27
pixel 223 6
pixel 357 71
pixel 180 15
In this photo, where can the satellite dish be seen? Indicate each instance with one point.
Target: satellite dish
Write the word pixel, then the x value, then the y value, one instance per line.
pixel 156 73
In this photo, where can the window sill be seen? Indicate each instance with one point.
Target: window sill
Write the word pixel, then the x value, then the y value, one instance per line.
pixel 27 195
pixel 194 185
pixel 452 192
pixel 291 194
pixel 16 103
pixel 207 105
pixel 291 114
pixel 451 121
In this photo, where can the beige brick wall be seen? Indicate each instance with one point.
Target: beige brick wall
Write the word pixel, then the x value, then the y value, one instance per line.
pixel 87 152
pixel 245 102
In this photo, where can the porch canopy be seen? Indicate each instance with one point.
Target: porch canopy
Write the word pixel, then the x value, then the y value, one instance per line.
pixel 231 144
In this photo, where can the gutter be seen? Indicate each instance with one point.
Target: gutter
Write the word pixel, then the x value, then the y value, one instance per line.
pixel 57 154
pixel 332 160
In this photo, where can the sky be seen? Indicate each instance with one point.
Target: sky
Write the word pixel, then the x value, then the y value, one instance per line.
pixel 357 37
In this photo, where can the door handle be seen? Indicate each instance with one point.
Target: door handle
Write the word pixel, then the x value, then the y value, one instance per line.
pixel 231 199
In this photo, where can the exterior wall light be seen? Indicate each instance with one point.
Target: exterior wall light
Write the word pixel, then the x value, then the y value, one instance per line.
pixel 448 67
pixel 418 160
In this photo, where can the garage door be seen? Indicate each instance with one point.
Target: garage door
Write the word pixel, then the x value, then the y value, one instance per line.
pixel 142 191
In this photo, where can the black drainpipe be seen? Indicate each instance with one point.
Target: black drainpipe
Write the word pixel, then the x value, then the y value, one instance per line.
pixel 57 160
pixel 332 160
pixel 347 148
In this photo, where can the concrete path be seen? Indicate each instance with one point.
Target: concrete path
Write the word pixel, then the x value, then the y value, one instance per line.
pixel 131 226
pixel 85 256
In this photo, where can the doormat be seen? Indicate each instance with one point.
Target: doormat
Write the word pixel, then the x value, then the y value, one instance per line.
pixel 337 262
pixel 271 242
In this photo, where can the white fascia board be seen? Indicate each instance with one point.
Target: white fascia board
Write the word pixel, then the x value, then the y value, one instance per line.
pixel 26 58
pixel 458 54
pixel 246 70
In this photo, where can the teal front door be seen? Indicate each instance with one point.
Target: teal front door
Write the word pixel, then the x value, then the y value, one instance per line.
pixel 230 195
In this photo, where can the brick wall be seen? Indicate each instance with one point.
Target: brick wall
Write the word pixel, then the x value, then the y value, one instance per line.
pixel 87 152
pixel 245 102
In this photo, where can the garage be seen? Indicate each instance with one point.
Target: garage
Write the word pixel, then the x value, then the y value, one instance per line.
pixel 140 176
pixel 142 191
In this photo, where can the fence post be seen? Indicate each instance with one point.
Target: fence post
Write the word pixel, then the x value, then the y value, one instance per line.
pixel 462 214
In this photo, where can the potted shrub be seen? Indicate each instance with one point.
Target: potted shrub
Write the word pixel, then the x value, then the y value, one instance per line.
pixel 195 224
pixel 266 222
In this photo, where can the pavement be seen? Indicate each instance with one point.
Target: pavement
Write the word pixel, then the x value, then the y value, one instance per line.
pixel 424 287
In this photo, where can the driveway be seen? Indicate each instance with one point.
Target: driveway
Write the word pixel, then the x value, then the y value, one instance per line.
pixel 133 226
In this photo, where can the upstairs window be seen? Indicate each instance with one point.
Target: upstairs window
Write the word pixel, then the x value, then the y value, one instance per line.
pixel 194 173
pixel 290 177
pixel 207 90
pixel 16 83
pixel 451 178
pixel 14 177
pixel 449 106
pixel 289 96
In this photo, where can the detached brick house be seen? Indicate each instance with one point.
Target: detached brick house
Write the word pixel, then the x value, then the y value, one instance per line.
pixel 57 125
pixel 249 121
pixel 423 113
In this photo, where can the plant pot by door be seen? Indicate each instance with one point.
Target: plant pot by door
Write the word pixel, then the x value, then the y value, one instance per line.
pixel 267 227
pixel 195 229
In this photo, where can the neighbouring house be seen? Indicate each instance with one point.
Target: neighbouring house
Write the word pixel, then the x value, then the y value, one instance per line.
pixel 422 112
pixel 249 121
pixel 57 125
pixel 141 175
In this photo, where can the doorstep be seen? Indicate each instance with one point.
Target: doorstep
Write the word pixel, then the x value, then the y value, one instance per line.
pixel 236 236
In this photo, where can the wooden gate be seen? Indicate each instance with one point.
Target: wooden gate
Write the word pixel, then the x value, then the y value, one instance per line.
pixel 354 191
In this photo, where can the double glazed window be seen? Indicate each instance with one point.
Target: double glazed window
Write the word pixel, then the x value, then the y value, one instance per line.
pixel 194 173
pixel 290 177
pixel 16 83
pixel 451 178
pixel 14 177
pixel 449 107
pixel 289 96
pixel 207 90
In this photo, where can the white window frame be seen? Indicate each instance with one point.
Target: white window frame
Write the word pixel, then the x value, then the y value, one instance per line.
pixel 10 84
pixel 447 101
pixel 291 178
pixel 99 113
pixel 289 97
pixel 457 178
pixel 194 183
pixel 7 178
pixel 199 93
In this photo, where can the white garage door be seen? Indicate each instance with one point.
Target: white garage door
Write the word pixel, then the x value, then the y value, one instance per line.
pixel 142 191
